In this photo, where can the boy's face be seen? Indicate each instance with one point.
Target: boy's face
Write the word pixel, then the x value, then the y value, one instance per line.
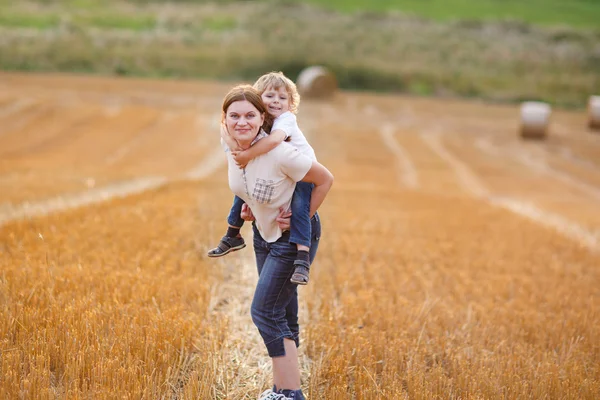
pixel 276 100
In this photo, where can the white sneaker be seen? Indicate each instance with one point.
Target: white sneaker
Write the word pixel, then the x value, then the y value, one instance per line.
pixel 271 395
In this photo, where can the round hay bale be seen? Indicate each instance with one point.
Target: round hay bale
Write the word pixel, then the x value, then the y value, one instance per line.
pixel 594 112
pixel 316 82
pixel 535 117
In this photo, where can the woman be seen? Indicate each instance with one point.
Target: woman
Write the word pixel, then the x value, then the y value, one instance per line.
pixel 267 184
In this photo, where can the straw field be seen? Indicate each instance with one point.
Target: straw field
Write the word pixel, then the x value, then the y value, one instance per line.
pixel 457 261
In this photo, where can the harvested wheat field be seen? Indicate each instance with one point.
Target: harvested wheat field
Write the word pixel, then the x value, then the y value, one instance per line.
pixel 457 261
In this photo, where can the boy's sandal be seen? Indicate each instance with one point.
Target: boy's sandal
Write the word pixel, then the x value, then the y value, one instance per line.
pixel 301 271
pixel 226 246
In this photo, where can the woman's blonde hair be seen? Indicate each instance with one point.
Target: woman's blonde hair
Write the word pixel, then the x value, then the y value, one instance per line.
pixel 277 80
pixel 250 94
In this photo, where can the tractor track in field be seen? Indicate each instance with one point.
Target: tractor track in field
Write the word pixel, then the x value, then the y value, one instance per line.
pixel 15 107
pixel 31 115
pixel 536 160
pixel 473 185
pixel 142 134
pixel 59 203
pixel 69 132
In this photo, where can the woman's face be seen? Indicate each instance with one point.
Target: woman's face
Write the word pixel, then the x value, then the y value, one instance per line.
pixel 243 121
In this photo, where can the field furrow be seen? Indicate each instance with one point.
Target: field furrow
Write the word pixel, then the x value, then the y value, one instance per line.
pixel 19 115
pixel 34 137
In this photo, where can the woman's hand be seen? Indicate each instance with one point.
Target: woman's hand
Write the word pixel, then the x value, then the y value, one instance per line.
pixel 241 158
pixel 283 219
pixel 246 213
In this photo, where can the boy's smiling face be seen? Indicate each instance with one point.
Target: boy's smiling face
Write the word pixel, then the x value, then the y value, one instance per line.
pixel 276 100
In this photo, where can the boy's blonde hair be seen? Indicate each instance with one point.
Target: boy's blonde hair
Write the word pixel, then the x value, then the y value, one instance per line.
pixel 276 80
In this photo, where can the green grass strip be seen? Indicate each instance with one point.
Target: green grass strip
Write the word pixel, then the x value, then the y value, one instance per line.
pixel 35 21
pixel 576 13
pixel 115 21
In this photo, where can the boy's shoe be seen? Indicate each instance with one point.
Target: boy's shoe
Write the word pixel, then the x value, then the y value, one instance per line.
pixel 301 271
pixel 226 246
pixel 293 394
pixel 271 395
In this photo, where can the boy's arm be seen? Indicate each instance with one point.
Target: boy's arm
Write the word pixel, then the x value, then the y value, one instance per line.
pixel 229 140
pixel 263 146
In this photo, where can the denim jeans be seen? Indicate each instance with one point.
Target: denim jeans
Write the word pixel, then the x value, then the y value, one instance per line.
pixel 234 218
pixel 300 230
pixel 300 222
pixel 275 305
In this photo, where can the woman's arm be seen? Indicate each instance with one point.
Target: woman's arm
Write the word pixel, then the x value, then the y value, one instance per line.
pixel 322 179
pixel 263 146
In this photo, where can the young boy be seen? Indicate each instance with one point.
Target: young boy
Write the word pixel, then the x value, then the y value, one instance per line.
pixel 281 97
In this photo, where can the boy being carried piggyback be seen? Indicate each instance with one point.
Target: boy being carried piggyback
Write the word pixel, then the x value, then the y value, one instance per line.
pixel 281 98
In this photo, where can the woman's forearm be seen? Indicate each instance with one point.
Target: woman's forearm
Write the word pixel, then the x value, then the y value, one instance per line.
pixel 322 179
pixel 319 193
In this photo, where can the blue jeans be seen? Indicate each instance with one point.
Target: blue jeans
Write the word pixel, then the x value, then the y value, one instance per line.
pixel 234 218
pixel 300 223
pixel 275 305
pixel 300 230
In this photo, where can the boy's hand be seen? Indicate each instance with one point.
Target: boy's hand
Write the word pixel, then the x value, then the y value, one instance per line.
pixel 229 140
pixel 241 158
pixel 246 213
pixel 283 219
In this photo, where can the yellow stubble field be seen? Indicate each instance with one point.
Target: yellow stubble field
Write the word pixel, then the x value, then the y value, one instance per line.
pixel 457 262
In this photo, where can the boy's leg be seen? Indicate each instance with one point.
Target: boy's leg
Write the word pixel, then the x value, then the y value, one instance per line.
pixel 300 231
pixel 232 240
pixel 234 219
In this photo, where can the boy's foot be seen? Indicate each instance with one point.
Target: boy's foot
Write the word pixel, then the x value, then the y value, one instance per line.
pixel 301 271
pixel 226 246
pixel 271 395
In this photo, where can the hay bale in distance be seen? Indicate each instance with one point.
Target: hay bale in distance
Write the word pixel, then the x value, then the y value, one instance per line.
pixel 316 82
pixel 535 117
pixel 594 112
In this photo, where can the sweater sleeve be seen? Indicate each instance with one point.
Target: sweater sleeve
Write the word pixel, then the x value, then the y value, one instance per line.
pixel 293 163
